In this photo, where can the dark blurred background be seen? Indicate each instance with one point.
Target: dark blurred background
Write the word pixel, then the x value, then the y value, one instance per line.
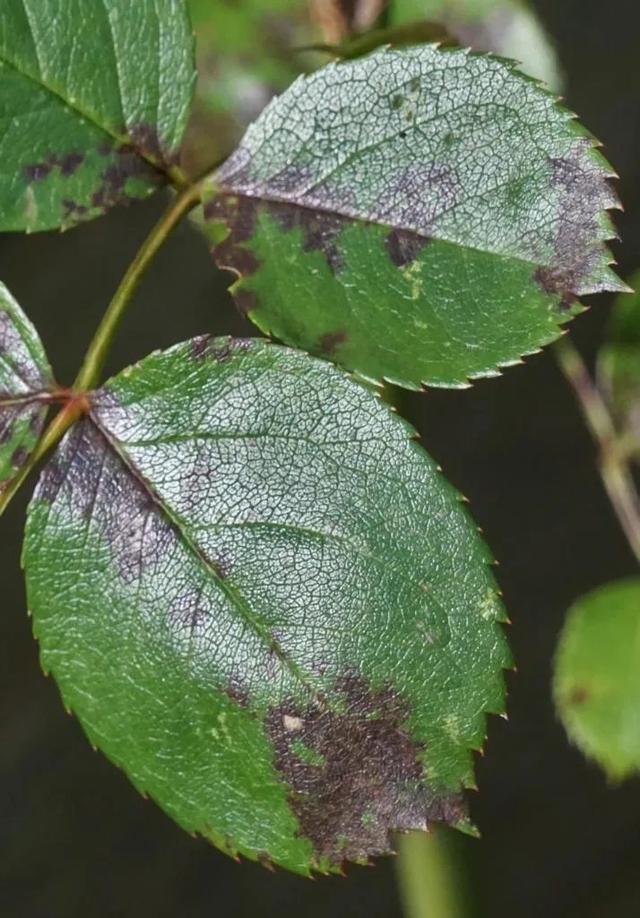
pixel 75 837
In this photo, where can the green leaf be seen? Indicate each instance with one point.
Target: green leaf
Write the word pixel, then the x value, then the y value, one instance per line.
pixel 505 27
pixel 597 676
pixel 264 602
pixel 423 216
pixel 619 363
pixel 95 98
pixel 25 382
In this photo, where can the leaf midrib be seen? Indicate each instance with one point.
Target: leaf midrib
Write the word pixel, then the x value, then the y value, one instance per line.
pixel 231 592
pixel 229 191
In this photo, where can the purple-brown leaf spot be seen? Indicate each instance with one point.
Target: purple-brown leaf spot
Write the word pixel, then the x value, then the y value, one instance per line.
pixel 354 774
pixel 35 172
pixel 328 343
pixel 403 246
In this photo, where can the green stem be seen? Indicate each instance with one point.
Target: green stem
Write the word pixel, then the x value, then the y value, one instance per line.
pixel 614 468
pixel 75 401
pixel 94 360
pixel 429 887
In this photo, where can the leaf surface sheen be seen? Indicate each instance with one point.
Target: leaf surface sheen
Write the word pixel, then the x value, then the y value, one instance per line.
pixel 597 676
pixel 25 381
pixel 264 602
pixel 419 215
pixel 94 101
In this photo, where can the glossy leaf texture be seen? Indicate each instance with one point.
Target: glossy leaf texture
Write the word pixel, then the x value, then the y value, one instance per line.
pixel 422 216
pixel 597 676
pixel 619 364
pixel 263 601
pixel 94 102
pixel 506 27
pixel 25 384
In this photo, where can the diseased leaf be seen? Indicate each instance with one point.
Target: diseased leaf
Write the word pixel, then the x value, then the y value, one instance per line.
pixel 264 602
pixel 597 676
pixel 25 381
pixel 424 216
pixel 94 100
pixel 505 27
pixel 619 363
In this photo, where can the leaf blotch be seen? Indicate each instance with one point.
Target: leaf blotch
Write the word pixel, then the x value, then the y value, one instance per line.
pixel 239 215
pixel 215 348
pixel 578 696
pixel 146 138
pixel 66 164
pixel 128 165
pixel 403 246
pixel 354 773
pixel 332 340
pixel 19 457
pixel 35 172
pixel 321 231
pixel 582 194
pixel 115 506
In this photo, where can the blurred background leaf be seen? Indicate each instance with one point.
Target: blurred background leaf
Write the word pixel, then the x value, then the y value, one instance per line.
pixel 506 27
pixel 597 676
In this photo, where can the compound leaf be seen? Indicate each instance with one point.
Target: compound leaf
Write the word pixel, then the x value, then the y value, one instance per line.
pixel 94 100
pixel 421 215
pixel 597 676
pixel 264 602
pixel 619 363
pixel 25 382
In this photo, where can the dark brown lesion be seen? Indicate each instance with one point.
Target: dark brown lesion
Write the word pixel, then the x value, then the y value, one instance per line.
pixel 330 341
pixel 578 696
pixel 354 773
pixel 66 164
pixel 320 230
pixel 127 164
pixel 404 246
pixel 147 140
pixel 558 282
pixel 143 156
pixel 219 349
pixel 238 214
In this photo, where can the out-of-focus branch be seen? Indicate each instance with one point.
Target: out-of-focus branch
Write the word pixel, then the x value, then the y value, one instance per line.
pixel 614 465
pixel 337 19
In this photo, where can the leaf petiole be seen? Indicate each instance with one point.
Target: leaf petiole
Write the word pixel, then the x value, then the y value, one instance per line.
pixel 96 355
pixel 94 360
